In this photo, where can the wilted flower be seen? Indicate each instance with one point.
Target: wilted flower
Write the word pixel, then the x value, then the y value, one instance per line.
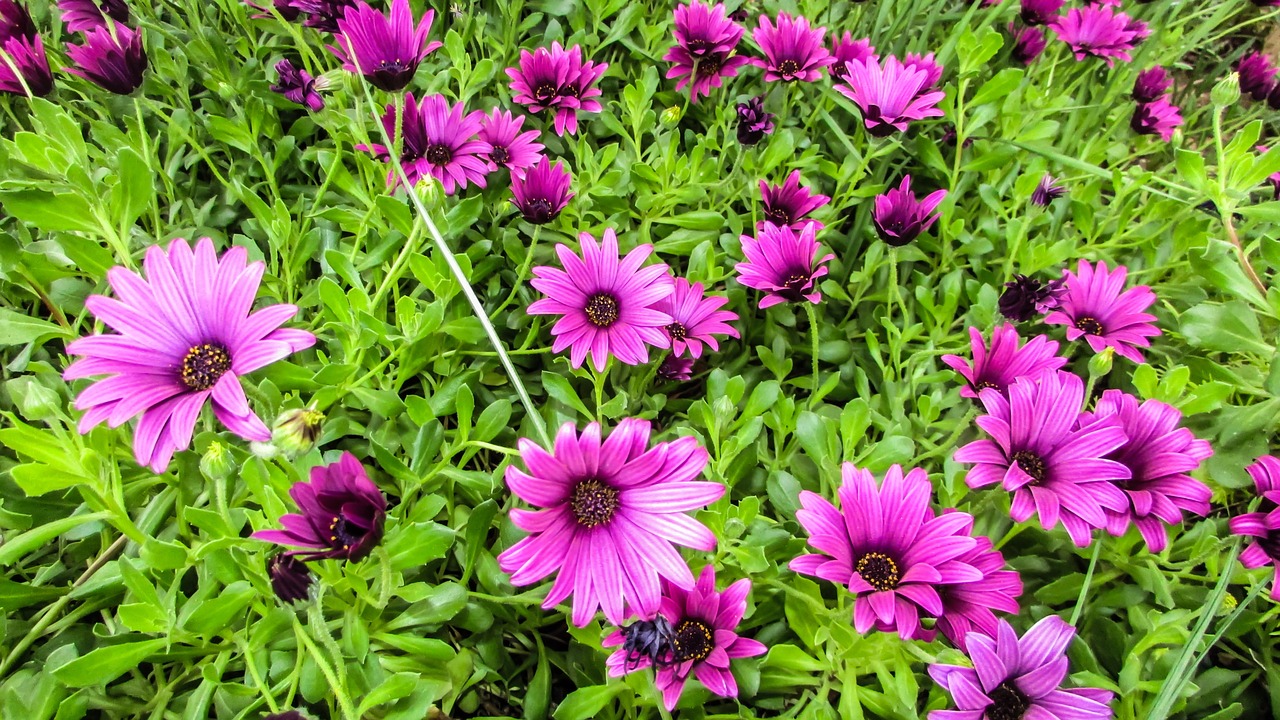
pixel 112 59
pixel 845 50
pixel 439 141
pixel 889 95
pixel 784 265
pixel 1047 191
pixel 542 192
pixel 385 49
pixel 290 578
pixel 789 204
pixel 1005 361
pixel 1151 84
pixel 1257 75
pixel 343 514
pixel 753 122
pixel 1023 297
pixel 298 86
pixel 900 217
pixel 508 146
pixel 1095 308
pixel 703 53
pixel 82 15
pixel 1156 118
pixel 792 50
pixel 557 79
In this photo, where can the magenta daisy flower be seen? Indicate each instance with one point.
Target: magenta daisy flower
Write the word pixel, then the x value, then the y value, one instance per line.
pixel 1257 75
pixel 284 8
pixel 889 94
pixel 610 513
pixel 557 80
pixel 887 546
pixel 508 147
pixel 1151 84
pixel 792 50
pixel 784 265
pixel 82 15
pixel 703 53
pixel 15 21
pixel 789 204
pixel 926 64
pixel 1028 43
pixel 114 60
pixel 1159 455
pixel 386 50
pixel 607 306
pixel 1047 190
pixel 343 514
pixel 1039 12
pixel 297 85
pixel 1016 677
pixel 1156 118
pixel 1056 467
pixel 846 50
pixel 702 626
pixel 323 15
pixel 290 578
pixel 1006 360
pixel 753 122
pixel 900 217
pixel 1025 297
pixel 1263 526
pixel 695 318
pixel 439 141
pixel 967 607
pixel 1098 31
pixel 1095 308
pixel 184 336
pixel 27 70
pixel 542 192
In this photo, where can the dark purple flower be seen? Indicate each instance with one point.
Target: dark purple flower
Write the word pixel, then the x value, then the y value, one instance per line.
pixel 290 577
pixel 696 318
pixel 1151 84
pixel 542 192
pixel 1047 191
pixel 15 21
pixel 1099 31
pixel 386 50
pixel 753 122
pixel 889 94
pixel 1005 361
pixel 1156 118
pixel 1028 43
pixel 284 8
pixel 1040 12
pixel 1023 297
pixel 1273 98
pixel 1095 308
pixel 1263 526
pixel 439 141
pixel 28 58
pixel 792 50
pixel 967 607
pixel 1016 678
pixel 703 53
pixel 1257 75
pixel 323 15
pixel 557 80
pixel 676 368
pixel 113 61
pixel 900 217
pixel 81 15
pixel 784 265
pixel 297 85
pixel 509 147
pixel 789 204
pixel 342 514
pixel 845 50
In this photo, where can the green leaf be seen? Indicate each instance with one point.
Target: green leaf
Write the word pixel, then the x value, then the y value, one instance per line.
pixel 50 211
pixel 105 664
pixel 215 613
pixel 998 86
pixel 393 688
pixel 15 548
pixel 16 595
pixel 558 387
pixel 135 188
pixel 586 702
pixel 19 329
pixel 1228 327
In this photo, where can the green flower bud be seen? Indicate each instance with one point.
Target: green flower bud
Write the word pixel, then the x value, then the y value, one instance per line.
pixel 217 463
pixel 1100 364
pixel 1227 92
pixel 35 401
pixel 296 431
pixel 671 115
pixel 429 191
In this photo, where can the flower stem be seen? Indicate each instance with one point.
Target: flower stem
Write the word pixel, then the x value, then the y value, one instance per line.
pixel 522 274
pixel 344 702
pixel 1088 579
pixel 813 349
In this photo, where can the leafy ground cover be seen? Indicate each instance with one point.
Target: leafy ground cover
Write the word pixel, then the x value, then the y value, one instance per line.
pixel 781 459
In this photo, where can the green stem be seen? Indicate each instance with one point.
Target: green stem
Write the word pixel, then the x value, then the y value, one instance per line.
pixel 813 350
pixel 521 275
pixel 344 702
pixel 1088 580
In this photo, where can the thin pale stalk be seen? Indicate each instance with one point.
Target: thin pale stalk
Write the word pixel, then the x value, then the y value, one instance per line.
pixel 1088 580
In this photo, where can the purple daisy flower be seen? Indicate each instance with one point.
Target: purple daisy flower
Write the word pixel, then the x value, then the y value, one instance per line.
pixel 1047 191
pixel 1005 361
pixel 1056 467
pixel 1094 308
pixel 792 50
pixel 1024 297
pixel 509 147
pixel 1257 75
pixel 1159 454
pixel 82 15
pixel 676 368
pixel 557 80
pixel 703 53
pixel 298 86
pixel 967 607
pixel 27 70
pixel 542 192
pixel 889 94
pixel 184 336
pixel 887 546
pixel 611 511
pixel 695 318
pixel 15 21
pixel 323 15
pixel 114 60
pixel 789 204
pixel 1156 118
pixel 386 50
pixel 1264 525
pixel 439 141
pixel 285 8
pixel 702 624
pixel 900 217
pixel 1016 677
pixel 846 50
pixel 926 64
pixel 607 306
pixel 1098 31
pixel 1039 12
pixel 342 514
pixel 753 122
pixel 1151 84
pixel 783 264
pixel 1028 43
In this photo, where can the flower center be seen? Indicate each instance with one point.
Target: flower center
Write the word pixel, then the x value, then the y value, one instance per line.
pixel 1007 703
pixel 796 280
pixel 698 48
pixel 778 216
pixel 788 68
pixel 593 503
pixel 545 91
pixel 203 365
pixel 344 534
pixel 1271 543
pixel 677 331
pixel 1088 325
pixel 538 210
pixel 1031 464
pixel 694 641
pixel 500 155
pixel 710 65
pixel 438 154
pixel 987 385
pixel 393 66
pixel 602 310
pixel 879 570
pixel 570 90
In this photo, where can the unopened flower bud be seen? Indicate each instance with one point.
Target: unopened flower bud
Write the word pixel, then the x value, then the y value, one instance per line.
pixel 1100 364
pixel 290 578
pixel 670 116
pixel 217 463
pixel 35 401
pixel 429 191
pixel 1227 92
pixel 296 431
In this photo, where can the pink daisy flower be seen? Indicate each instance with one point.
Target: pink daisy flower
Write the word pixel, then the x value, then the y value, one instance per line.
pixel 1098 31
pixel 1095 308
pixel 508 147
pixel 1159 117
pixel 889 94
pixel 386 50
pixel 1263 526
pixel 967 607
pixel 792 50
pixel 439 141
pixel 695 318
pixel 342 517
pixel 784 265
pixel 1004 361
pixel 789 204
pixel 703 53
pixel 557 79
pixel 846 50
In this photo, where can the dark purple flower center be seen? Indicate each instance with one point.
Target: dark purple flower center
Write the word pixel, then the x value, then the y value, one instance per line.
pixel 1031 464
pixel 698 47
pixel 593 502
pixel 538 210
pixel 1089 326
pixel 500 155
pixel 545 91
pixel 788 68
pixel 1271 544
pixel 677 331
pixel 343 535
pixel 711 64
pixel 570 90
pixel 653 639
pixel 878 570
pixel 602 310
pixel 204 365
pixel 694 641
pixel 987 385
pixel 1007 703
pixel 778 216
pixel 794 282
pixel 394 67
pixel 438 154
